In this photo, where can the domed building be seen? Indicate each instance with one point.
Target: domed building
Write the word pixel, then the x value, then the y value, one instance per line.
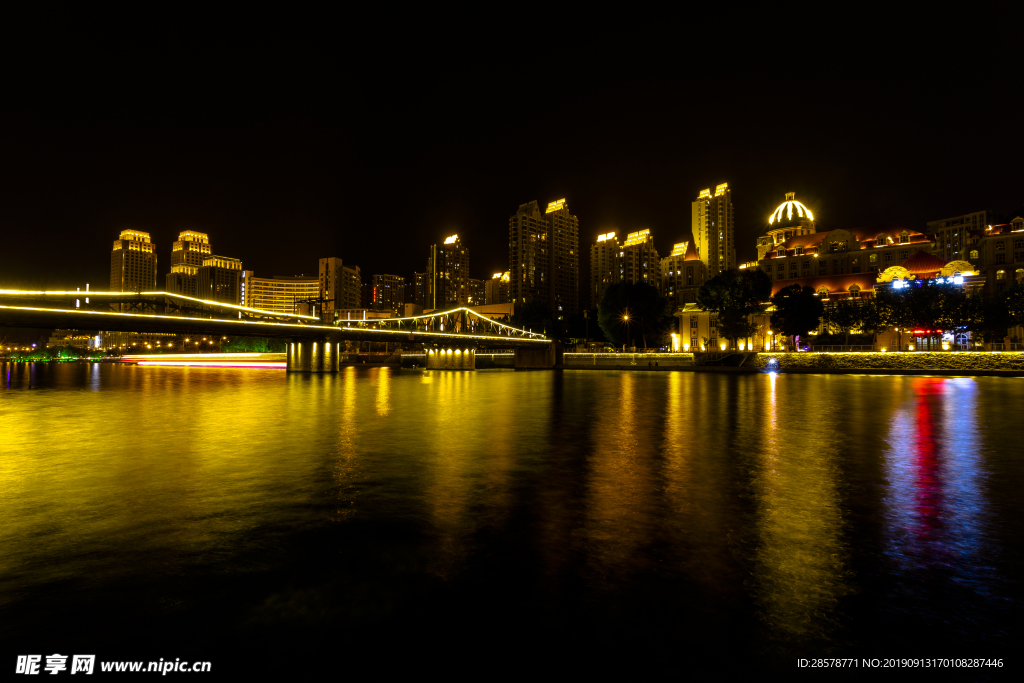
pixel 790 219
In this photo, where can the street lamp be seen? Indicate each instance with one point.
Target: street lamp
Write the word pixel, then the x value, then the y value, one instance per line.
pixel 625 319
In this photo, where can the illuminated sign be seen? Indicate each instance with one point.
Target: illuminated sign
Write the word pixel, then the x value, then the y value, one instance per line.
pixel 451 240
pixel 556 205
pixel 705 194
pixel 606 236
pixel 679 249
pixel 720 190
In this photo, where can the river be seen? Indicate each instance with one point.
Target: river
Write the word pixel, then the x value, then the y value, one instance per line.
pixel 380 519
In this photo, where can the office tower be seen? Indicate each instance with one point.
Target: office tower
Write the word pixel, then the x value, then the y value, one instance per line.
pixel 639 260
pixel 476 292
pixel 389 292
pixel 604 266
pixel 447 272
pixel 713 226
pixel 544 257
pixel 220 279
pixel 187 255
pixel 340 285
pixel 952 235
pixel 133 263
pixel 279 294
pixel 496 289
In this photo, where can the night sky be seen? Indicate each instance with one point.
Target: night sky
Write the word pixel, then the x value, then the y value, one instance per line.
pixel 349 155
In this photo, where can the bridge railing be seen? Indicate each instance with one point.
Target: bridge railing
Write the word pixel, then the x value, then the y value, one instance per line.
pixel 455 321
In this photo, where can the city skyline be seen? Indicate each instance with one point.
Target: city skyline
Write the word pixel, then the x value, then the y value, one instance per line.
pixel 280 186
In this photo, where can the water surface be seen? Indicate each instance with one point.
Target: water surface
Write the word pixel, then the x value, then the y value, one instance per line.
pixel 428 519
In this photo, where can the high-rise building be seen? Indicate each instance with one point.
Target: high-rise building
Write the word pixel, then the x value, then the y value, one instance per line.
pixel 682 274
pixel 187 255
pixel 279 294
pixel 419 289
pixel 604 266
pixel 476 292
pixel 496 289
pixel 389 292
pixel 544 257
pixel 565 259
pixel 340 286
pixel 713 227
pixel 447 272
pixel 952 235
pixel 133 263
pixel 639 260
pixel 220 279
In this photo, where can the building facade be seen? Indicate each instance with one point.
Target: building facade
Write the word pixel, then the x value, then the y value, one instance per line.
pixel 604 266
pixel 187 256
pixel 340 286
pixel 279 294
pixel 389 292
pixel 496 290
pixel 790 219
pixel 476 292
pixel 952 235
pixel 133 263
pixel 447 273
pixel 565 259
pixel 682 274
pixel 639 260
pixel 544 257
pixel 713 226
pixel 997 252
pixel 220 279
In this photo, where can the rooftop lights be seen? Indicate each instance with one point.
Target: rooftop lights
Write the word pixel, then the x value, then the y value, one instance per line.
pixel 787 208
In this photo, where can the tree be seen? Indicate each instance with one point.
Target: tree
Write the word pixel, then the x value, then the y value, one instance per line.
pixel 845 316
pixel 536 317
pixel 735 295
pixel 1014 302
pixel 631 310
pixel 797 311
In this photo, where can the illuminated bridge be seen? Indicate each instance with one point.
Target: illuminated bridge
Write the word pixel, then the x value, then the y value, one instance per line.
pixel 449 338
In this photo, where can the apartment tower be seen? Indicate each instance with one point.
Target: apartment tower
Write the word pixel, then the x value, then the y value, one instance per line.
pixel 544 257
pixel 447 273
pixel 713 227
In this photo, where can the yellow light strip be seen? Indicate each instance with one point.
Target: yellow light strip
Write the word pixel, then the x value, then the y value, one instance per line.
pixel 168 294
pixel 331 328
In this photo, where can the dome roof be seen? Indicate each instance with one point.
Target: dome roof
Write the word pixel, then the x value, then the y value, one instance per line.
pixel 789 212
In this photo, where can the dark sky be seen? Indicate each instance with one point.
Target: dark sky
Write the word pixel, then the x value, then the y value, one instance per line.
pixel 372 160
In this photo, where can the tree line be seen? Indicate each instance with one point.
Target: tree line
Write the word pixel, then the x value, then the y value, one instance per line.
pixel 637 313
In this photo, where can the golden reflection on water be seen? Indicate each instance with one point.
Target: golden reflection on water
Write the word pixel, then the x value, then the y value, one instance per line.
pixel 383 391
pixel 799 566
pixel 620 496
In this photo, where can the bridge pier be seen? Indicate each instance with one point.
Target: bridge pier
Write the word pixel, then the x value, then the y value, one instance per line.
pixel 313 356
pixel 451 358
pixel 539 359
